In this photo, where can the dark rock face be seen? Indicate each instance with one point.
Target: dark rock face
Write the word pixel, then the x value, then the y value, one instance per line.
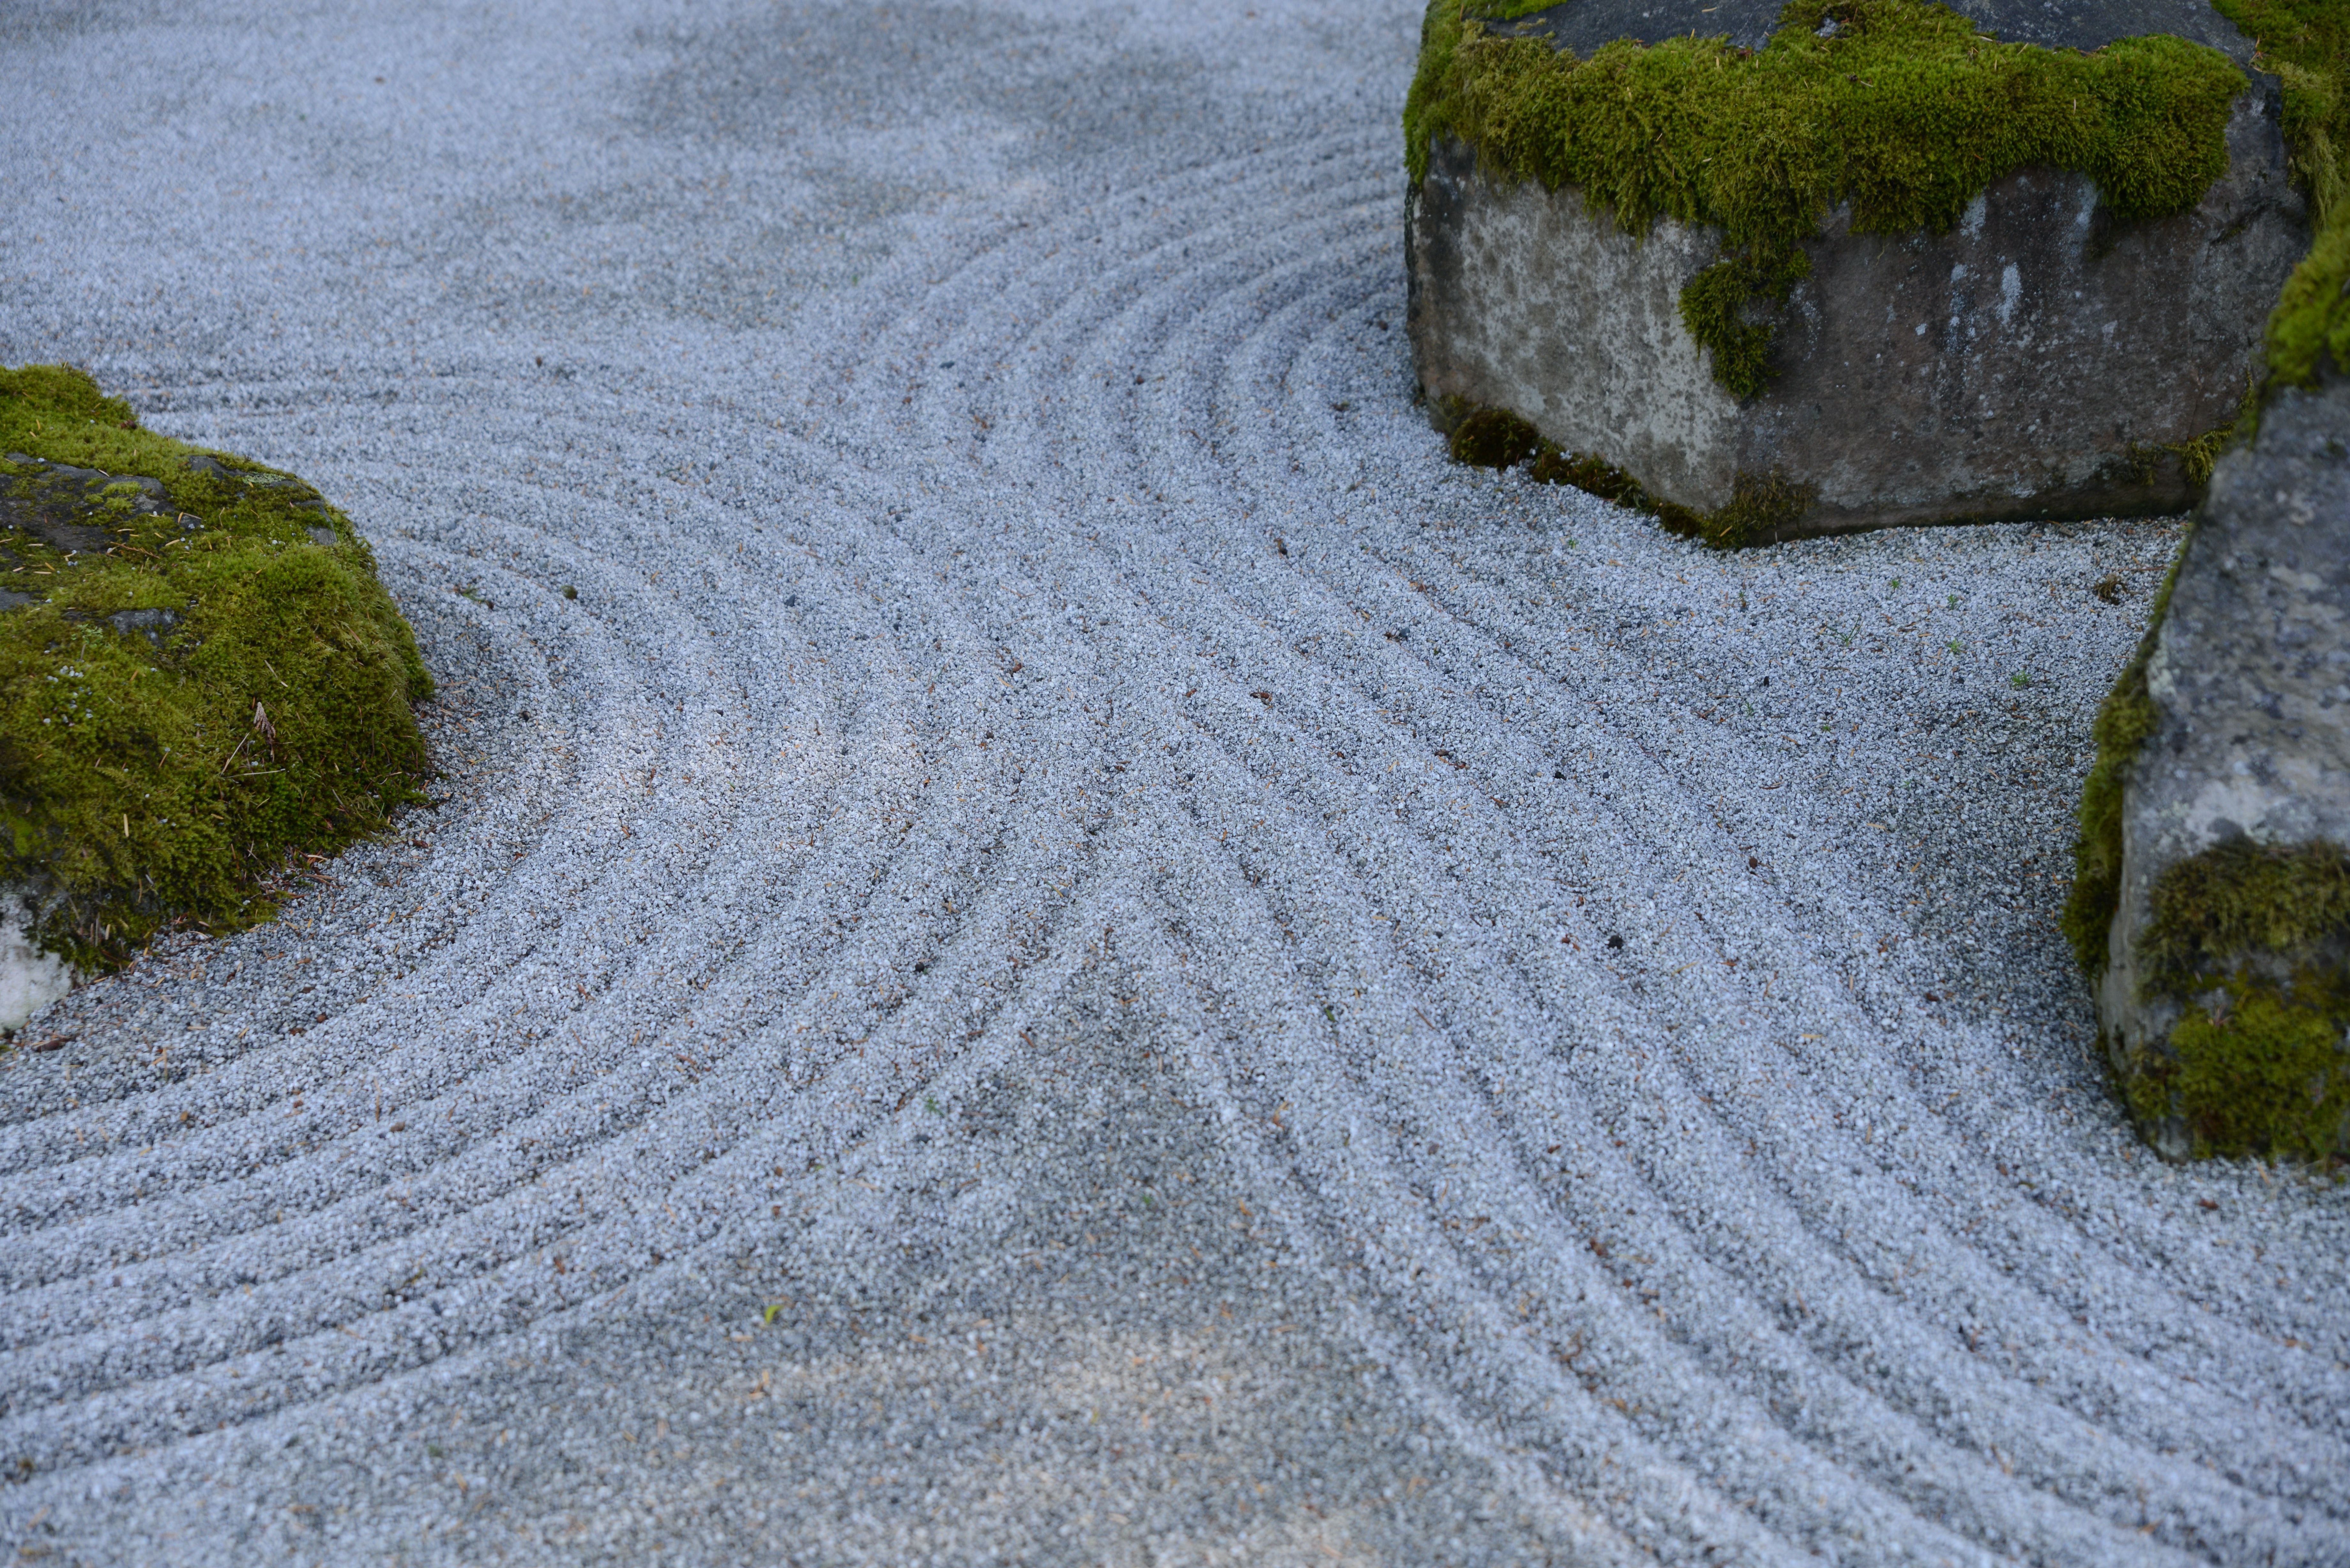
pixel 2036 361
pixel 2250 676
pixel 85 512
pixel 1583 25
pixel 74 509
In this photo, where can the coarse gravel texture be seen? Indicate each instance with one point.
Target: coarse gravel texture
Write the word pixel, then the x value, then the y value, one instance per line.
pixel 1075 950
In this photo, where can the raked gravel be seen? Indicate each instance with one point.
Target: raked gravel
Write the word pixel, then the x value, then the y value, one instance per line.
pixel 1075 950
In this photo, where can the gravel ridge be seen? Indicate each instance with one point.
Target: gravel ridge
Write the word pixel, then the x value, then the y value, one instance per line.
pixel 1074 949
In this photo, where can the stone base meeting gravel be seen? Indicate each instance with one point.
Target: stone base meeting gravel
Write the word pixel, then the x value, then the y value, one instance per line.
pixel 1043 936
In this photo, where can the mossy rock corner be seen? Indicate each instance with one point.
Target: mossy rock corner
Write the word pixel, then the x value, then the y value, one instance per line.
pixel 2211 906
pixel 200 678
pixel 1778 270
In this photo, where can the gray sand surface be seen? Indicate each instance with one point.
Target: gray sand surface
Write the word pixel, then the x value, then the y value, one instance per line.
pixel 1075 950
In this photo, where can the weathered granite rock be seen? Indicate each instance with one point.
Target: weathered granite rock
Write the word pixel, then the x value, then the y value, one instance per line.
pixel 2236 808
pixel 2039 360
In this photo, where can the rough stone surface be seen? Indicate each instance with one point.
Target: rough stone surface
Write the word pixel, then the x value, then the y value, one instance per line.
pixel 66 507
pixel 2033 362
pixel 2250 672
pixel 1584 26
pixel 30 979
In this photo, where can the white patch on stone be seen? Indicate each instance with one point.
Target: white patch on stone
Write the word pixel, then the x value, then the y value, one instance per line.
pixel 30 979
pixel 2010 292
pixel 1977 210
pixel 1546 281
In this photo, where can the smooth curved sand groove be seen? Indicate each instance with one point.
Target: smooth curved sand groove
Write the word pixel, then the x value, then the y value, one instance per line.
pixel 1041 730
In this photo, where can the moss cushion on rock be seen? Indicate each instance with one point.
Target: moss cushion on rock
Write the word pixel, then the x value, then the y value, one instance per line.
pixel 1887 266
pixel 200 674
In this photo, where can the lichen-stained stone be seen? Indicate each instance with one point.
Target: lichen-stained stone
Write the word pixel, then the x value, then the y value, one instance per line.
pixel 2040 357
pixel 2226 994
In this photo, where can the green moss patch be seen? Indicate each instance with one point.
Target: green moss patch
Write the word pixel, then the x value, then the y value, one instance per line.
pixel 1760 504
pixel 1493 438
pixel 1905 111
pixel 2309 332
pixel 2253 938
pixel 2306 43
pixel 200 674
pixel 2240 897
pixel 2125 719
pixel 2257 1069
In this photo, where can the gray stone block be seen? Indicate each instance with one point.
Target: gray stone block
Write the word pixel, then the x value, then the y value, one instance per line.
pixel 2249 678
pixel 2033 362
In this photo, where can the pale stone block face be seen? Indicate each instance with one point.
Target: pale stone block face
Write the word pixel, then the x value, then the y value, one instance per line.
pixel 1522 301
pixel 30 979
pixel 2027 364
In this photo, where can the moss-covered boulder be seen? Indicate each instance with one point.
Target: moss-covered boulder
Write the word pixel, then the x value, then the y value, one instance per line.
pixel 200 676
pixel 2212 909
pixel 1863 262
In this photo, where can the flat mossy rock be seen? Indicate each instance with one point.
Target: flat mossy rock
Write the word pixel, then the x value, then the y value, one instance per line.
pixel 2034 348
pixel 1586 25
pixel 200 676
pixel 2225 997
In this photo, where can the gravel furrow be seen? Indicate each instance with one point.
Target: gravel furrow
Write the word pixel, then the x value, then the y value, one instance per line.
pixel 1042 937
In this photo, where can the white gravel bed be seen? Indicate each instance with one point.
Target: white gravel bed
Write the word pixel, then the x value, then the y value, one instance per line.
pixel 1075 949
